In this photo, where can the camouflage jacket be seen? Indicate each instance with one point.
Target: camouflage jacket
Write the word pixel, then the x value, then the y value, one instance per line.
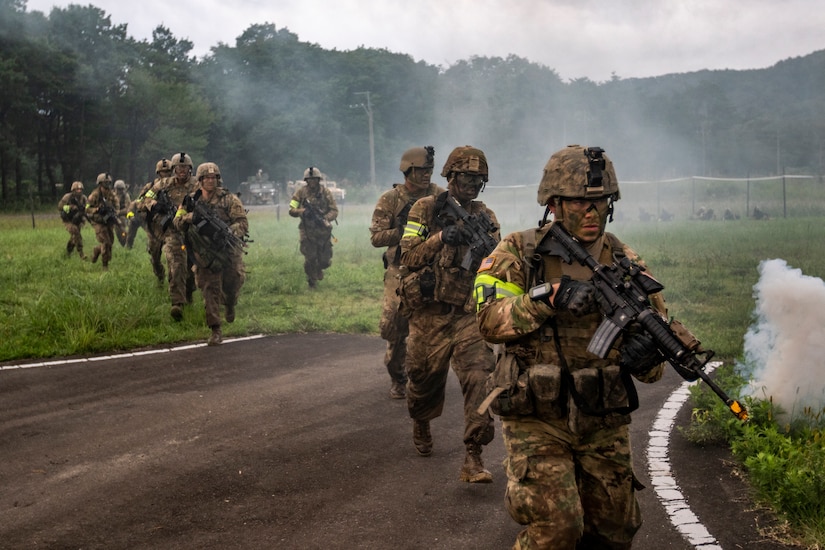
pixel 421 246
pixel 174 189
pixel 77 206
pixel 230 210
pixel 390 217
pixel 533 332
pixel 322 200
pixel 97 198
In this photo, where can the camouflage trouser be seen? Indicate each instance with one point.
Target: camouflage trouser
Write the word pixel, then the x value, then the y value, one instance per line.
pixel 317 250
pixel 394 328
pixel 154 247
pixel 219 288
pixel 181 278
pixel 436 341
pixel 75 238
pixel 105 236
pixel 571 491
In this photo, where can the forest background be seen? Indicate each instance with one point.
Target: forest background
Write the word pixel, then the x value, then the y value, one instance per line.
pixel 80 97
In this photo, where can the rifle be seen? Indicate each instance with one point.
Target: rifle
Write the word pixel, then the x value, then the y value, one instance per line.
pixel 481 227
pixel 314 214
pixel 164 210
pixel 623 289
pixel 107 212
pixel 208 224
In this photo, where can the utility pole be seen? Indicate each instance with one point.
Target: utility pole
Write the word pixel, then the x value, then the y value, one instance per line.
pixel 368 109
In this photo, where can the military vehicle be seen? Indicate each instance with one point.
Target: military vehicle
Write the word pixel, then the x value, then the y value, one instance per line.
pixel 258 189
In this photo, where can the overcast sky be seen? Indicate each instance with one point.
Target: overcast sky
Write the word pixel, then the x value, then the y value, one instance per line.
pixel 577 38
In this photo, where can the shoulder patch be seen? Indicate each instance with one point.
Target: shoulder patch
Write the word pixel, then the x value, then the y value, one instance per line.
pixel 486 264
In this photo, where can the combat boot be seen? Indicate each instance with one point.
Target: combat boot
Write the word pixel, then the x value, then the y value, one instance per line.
pixel 473 470
pixel 80 253
pixel 69 249
pixel 217 337
pixel 95 254
pixel 176 312
pixel 397 390
pixel 422 438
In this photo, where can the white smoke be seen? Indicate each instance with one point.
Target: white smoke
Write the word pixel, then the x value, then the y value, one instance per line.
pixel 785 347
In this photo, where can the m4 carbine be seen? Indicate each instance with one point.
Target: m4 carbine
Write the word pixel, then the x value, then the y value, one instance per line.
pixel 623 290
pixel 482 228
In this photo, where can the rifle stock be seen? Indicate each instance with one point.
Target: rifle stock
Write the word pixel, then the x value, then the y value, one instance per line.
pixel 623 288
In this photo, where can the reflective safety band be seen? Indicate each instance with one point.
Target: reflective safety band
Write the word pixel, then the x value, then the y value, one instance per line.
pixel 294 204
pixel 487 286
pixel 150 194
pixel 414 229
pixel 180 213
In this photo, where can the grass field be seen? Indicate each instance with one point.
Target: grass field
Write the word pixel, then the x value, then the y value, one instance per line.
pixel 57 306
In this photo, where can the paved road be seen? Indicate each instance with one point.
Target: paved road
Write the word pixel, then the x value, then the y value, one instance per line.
pixel 280 442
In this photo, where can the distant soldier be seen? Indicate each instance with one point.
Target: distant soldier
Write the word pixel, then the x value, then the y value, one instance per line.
pixel 154 230
pixel 386 229
pixel 124 199
pixel 102 210
pixel 215 246
pixel 759 214
pixel 160 204
pixel 72 208
pixel 316 207
pixel 666 216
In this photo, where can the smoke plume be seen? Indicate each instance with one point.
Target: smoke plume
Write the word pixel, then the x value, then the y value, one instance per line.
pixel 785 347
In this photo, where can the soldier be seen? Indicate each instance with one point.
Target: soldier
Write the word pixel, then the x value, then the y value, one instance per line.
pixel 102 210
pixel 125 201
pixel 316 207
pixel 160 204
pixel 72 208
pixel 218 265
pixel 153 229
pixel 386 229
pixel 566 430
pixel 443 329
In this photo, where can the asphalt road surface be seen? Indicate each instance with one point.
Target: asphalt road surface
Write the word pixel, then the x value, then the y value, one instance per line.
pixel 284 442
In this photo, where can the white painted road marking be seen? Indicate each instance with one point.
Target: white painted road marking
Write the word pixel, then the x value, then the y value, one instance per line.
pixel 59 362
pixel 661 476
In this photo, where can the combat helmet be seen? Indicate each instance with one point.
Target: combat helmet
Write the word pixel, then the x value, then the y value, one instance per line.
pixel 417 157
pixel 468 160
pixel 120 184
pixel 578 172
pixel 163 165
pixel 104 179
pixel 312 172
pixel 77 186
pixel 182 158
pixel 208 168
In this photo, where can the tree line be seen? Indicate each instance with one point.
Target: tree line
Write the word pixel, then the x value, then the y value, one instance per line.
pixel 80 97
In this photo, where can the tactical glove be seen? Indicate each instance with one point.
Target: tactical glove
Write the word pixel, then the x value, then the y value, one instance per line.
pixel 454 235
pixel 577 297
pixel 639 353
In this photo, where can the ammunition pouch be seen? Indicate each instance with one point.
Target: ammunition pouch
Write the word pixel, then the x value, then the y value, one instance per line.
pixel 603 391
pixel 417 288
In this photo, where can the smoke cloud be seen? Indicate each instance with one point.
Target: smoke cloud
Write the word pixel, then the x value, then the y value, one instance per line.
pixel 785 347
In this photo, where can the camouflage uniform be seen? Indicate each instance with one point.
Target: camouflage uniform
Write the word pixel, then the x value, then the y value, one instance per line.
pixel 388 220
pixel 154 234
pixel 444 332
pixel 104 232
pixel 181 279
pixel 73 220
pixel 315 238
pixel 221 277
pixel 566 412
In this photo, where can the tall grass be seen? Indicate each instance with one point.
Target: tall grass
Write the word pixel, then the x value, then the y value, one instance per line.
pixel 53 305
